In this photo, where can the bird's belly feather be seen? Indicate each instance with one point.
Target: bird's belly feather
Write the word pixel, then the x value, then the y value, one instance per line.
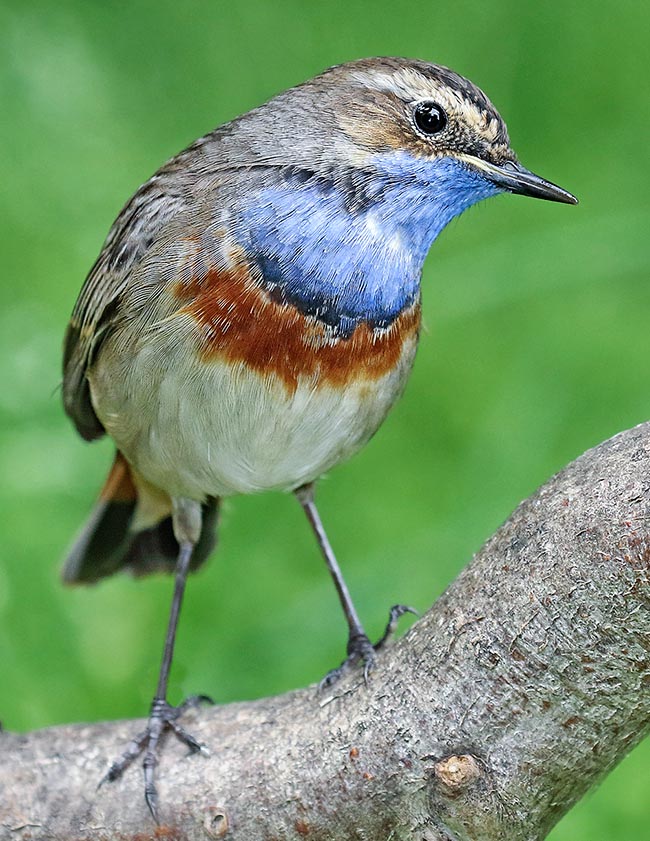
pixel 215 427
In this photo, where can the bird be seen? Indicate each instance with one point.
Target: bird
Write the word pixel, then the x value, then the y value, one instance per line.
pixel 254 314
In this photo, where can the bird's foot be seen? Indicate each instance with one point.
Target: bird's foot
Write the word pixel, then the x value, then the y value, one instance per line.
pixel 396 611
pixel 162 718
pixel 361 650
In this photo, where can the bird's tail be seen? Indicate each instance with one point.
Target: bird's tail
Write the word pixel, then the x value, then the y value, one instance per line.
pixel 130 528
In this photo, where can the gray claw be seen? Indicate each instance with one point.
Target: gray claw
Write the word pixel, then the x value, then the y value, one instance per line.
pixel 396 611
pixel 163 717
pixel 360 649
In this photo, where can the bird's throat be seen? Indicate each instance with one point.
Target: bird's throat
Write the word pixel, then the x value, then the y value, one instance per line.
pixel 351 250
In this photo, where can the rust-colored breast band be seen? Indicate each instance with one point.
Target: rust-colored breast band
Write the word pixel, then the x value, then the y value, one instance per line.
pixel 240 323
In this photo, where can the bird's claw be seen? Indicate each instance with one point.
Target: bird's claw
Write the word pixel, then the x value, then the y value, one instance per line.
pixel 162 718
pixel 361 650
pixel 396 611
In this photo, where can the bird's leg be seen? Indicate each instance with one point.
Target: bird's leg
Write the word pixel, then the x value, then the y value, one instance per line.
pixel 359 647
pixel 186 517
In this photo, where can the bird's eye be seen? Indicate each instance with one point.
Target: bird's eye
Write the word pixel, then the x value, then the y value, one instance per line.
pixel 429 117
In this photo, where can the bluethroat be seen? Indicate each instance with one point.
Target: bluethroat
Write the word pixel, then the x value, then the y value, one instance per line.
pixel 254 314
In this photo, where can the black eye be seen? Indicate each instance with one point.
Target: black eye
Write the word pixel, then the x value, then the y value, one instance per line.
pixel 429 117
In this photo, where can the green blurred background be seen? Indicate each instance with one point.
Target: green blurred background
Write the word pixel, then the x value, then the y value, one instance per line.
pixel 536 342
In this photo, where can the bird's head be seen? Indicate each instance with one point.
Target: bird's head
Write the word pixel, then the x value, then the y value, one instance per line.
pixel 421 114
pixel 423 132
pixel 344 182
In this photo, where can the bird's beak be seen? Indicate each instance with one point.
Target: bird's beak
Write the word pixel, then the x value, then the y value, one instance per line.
pixel 515 178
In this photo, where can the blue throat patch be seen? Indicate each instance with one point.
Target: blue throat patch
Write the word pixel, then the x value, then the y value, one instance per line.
pixel 351 249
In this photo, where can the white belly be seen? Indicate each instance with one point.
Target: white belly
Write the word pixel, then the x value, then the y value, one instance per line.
pixel 216 429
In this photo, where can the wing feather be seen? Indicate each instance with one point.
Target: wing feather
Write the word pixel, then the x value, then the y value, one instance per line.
pixel 100 303
pixel 166 210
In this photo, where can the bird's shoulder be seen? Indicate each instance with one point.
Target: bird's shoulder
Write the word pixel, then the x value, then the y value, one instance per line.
pixel 149 226
pixel 137 230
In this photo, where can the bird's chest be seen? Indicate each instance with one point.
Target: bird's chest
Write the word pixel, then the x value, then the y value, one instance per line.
pixel 284 417
pixel 292 398
pixel 246 404
pixel 237 321
pixel 275 354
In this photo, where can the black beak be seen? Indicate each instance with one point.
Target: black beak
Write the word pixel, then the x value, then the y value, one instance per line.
pixel 515 178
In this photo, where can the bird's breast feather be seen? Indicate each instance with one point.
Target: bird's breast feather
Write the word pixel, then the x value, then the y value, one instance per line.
pixel 236 319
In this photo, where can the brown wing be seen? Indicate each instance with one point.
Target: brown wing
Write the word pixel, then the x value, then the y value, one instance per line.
pixel 138 226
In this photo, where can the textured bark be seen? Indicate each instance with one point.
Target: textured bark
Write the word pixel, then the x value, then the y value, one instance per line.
pixel 522 686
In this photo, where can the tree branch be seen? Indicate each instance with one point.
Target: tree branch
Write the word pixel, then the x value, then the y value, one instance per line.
pixel 524 684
